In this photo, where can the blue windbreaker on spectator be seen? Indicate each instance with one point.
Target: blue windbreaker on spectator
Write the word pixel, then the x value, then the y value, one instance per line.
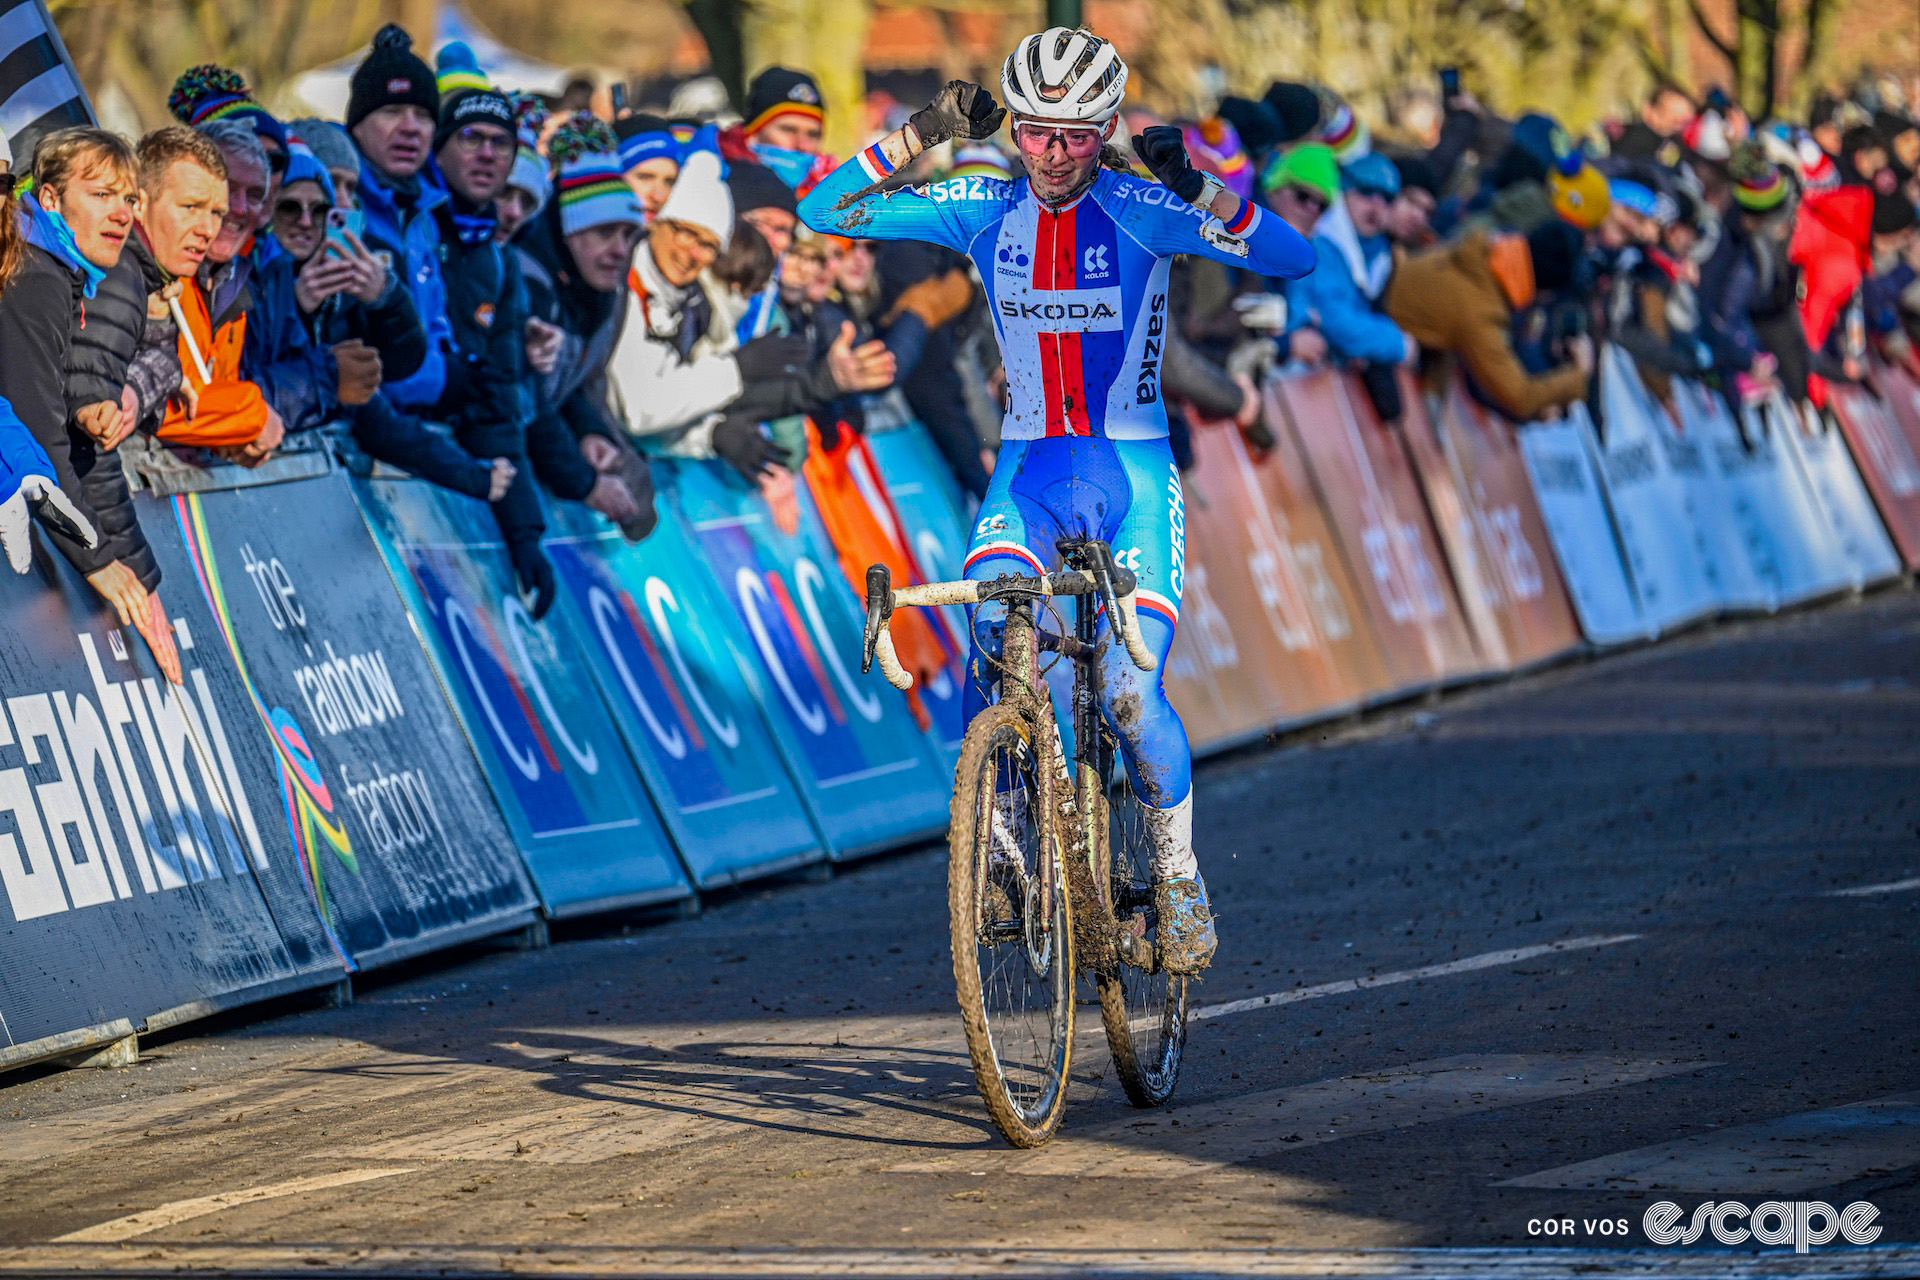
pixel 20 454
pixel 419 241
pixel 1331 299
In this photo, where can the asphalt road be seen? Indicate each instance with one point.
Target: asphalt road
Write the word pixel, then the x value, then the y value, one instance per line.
pixel 1633 930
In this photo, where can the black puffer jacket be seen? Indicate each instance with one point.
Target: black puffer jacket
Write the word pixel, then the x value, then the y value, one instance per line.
pixel 105 341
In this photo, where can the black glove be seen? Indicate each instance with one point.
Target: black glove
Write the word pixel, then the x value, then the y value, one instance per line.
pixel 739 441
pixel 1164 152
pixel 535 573
pixel 774 355
pixel 638 473
pixel 961 110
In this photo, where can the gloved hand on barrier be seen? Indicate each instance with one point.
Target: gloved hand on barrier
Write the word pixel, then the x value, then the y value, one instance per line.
pixel 740 442
pixel 28 492
pixel 535 575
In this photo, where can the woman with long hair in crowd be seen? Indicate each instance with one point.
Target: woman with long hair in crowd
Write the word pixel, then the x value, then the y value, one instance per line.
pixel 29 486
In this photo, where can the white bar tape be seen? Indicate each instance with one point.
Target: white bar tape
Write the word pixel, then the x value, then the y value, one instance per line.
pixel 897 676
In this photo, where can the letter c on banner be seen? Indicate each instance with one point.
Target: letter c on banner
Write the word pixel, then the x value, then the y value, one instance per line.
pixel 673 742
pixel 753 594
pixel 517 619
pixel 659 593
pixel 807 574
pixel 460 627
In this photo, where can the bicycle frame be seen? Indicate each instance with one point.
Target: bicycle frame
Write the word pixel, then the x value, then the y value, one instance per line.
pixel 1079 803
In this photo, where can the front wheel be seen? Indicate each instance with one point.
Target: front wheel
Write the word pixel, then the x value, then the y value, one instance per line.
pixel 1143 1008
pixel 1012 928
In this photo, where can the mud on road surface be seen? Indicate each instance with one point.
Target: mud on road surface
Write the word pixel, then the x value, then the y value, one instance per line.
pixel 1539 955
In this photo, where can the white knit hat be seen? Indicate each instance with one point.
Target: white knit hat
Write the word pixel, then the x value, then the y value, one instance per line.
pixel 700 198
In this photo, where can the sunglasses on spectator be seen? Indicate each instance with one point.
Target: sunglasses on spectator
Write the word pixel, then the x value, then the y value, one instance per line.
pixel 295 212
pixel 477 138
pixel 1307 195
pixel 1035 139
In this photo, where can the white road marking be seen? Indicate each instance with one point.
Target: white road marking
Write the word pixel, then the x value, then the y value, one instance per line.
pixel 1490 960
pixel 1872 890
pixel 1185 1140
pixel 177 1211
pixel 615 1262
pixel 1773 1157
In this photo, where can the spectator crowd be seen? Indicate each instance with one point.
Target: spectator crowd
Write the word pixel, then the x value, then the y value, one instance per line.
pixel 524 304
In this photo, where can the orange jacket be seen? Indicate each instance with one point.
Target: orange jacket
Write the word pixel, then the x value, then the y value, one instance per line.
pixel 231 411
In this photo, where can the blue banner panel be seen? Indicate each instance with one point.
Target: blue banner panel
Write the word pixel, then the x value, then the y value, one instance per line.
pixel 661 646
pixel 577 809
pixel 145 872
pixel 935 528
pixel 402 847
pixel 868 774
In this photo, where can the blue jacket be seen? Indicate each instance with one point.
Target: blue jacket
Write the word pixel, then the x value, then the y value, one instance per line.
pixel 409 223
pixel 20 454
pixel 1330 301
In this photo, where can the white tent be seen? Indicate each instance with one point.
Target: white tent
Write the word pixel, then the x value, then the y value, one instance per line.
pixel 323 91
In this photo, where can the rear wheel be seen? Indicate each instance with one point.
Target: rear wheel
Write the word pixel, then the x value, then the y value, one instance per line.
pixel 1011 928
pixel 1143 1009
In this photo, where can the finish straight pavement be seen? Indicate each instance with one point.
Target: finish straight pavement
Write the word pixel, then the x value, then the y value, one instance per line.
pixel 1550 950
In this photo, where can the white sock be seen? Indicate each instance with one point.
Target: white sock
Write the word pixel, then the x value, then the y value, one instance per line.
pixel 1172 833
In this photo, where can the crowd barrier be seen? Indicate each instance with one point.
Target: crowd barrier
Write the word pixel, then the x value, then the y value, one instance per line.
pixel 379 751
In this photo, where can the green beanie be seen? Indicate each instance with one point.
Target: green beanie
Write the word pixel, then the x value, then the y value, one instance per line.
pixel 1310 165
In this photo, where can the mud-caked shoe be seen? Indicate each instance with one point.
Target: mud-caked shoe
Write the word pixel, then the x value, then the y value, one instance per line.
pixel 1186 935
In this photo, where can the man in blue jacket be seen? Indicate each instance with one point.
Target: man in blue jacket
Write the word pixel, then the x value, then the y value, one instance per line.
pixel 1353 260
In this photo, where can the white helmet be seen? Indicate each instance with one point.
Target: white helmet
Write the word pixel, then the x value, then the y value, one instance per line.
pixel 1063 74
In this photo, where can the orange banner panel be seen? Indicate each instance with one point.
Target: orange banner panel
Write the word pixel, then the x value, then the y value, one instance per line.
pixel 1368 490
pixel 1525 594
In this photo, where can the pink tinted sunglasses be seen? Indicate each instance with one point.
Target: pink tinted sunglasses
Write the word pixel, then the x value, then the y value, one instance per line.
pixel 1034 139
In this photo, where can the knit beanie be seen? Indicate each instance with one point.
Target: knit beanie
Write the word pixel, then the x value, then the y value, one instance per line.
pixel 530 172
pixel 210 92
pixel 304 166
pixel 1416 174
pixel 754 186
pixel 1892 214
pixel 1371 175
pixel 392 76
pixel 331 145
pixel 1342 129
pixel 1310 165
pixel 1296 108
pixel 466 95
pixel 1214 147
pixel 587 176
pixel 781 91
pixel 643 138
pixel 981 160
pixel 1758 184
pixel 1259 128
pixel 1582 199
pixel 700 199
pixel 1555 249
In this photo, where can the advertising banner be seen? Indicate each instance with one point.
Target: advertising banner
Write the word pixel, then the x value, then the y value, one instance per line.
pixel 934 527
pixel 1499 541
pixel 1664 549
pixel 146 872
pixel 662 649
pixel 1887 462
pixel 869 776
pixel 1742 583
pixel 1368 489
pixel 557 765
pixel 1562 465
pixel 1820 451
pixel 399 842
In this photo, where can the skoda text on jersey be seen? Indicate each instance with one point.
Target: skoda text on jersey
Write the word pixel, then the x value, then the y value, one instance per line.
pixel 1078 292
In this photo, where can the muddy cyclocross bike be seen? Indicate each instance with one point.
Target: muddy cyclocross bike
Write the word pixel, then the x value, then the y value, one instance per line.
pixel 1047 872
